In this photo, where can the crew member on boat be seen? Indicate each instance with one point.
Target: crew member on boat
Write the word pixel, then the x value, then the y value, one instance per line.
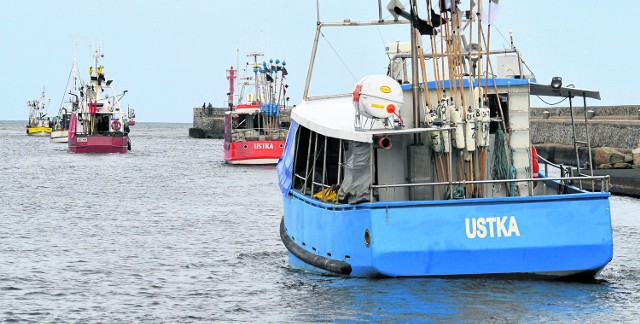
pixel 100 74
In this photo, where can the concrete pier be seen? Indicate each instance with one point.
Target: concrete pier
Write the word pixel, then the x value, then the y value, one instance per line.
pixel 610 126
pixel 208 122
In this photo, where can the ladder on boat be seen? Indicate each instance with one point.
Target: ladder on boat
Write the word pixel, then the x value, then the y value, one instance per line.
pixel 577 144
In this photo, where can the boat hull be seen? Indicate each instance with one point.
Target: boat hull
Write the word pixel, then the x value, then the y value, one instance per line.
pixel 253 152
pixel 544 236
pixel 59 136
pixel 98 144
pixel 38 131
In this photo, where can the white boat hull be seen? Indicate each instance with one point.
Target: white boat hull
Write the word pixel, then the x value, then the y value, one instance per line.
pixel 60 136
pixel 253 161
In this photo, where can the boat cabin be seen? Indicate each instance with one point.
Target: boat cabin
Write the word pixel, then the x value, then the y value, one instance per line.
pixel 450 158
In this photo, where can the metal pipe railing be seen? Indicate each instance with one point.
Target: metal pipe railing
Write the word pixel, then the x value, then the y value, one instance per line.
pixel 602 179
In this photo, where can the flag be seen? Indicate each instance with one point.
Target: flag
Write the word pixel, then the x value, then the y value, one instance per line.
pixel 490 13
pixel 445 5
pixel 436 20
pixel 423 27
pixel 72 126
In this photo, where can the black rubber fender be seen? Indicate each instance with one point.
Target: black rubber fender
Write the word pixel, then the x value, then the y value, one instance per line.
pixel 335 266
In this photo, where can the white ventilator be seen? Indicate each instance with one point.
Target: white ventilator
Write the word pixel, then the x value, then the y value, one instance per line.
pixel 446 139
pixel 470 130
pixel 482 118
pixel 458 131
pixel 438 140
pixel 377 97
pixel 435 136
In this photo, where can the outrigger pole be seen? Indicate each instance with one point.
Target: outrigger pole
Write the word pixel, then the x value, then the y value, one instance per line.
pixel 414 73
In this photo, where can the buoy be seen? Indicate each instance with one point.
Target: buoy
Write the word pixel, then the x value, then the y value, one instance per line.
pixel 535 167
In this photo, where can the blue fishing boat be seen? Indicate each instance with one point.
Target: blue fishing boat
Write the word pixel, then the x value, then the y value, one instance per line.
pixel 400 179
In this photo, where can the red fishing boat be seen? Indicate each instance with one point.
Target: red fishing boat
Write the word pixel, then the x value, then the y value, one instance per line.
pixel 98 125
pixel 255 132
pixel 131 117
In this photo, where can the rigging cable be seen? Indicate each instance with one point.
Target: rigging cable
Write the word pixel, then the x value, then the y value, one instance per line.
pixel 65 88
pixel 565 98
pixel 339 57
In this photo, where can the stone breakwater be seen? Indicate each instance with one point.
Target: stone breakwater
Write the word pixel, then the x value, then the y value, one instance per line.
pixel 617 126
pixel 603 157
pixel 621 165
pixel 599 111
pixel 615 141
pixel 208 122
pixel 614 135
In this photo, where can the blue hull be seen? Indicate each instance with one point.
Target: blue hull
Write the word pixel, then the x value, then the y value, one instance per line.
pixel 554 236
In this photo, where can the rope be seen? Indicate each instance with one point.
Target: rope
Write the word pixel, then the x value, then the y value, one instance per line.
pixel 458 193
pixel 512 185
pixel 500 165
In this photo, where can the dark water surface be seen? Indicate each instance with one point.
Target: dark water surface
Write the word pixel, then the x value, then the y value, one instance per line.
pixel 169 233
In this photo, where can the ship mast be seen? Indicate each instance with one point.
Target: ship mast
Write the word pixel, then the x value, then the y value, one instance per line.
pixel 256 71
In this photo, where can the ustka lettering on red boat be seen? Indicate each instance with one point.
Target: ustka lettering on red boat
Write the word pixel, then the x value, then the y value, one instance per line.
pixel 263 146
pixel 490 227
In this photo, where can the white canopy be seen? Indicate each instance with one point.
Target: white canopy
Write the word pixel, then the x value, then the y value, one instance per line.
pixel 335 117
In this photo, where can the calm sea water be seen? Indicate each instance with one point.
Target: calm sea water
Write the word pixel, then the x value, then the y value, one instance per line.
pixel 169 233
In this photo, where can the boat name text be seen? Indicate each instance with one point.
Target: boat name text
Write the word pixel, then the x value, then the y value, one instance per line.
pixel 262 146
pixel 482 227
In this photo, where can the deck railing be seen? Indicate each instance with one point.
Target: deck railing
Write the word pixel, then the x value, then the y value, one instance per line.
pixel 258 134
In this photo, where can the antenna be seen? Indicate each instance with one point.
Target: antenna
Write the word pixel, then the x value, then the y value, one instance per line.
pixel 256 70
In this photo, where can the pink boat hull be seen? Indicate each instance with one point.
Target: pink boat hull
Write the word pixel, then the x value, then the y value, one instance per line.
pixel 98 144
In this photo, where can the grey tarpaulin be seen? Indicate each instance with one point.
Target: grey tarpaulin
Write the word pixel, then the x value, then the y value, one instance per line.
pixel 357 176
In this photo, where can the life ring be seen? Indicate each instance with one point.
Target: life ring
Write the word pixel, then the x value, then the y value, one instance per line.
pixel 116 125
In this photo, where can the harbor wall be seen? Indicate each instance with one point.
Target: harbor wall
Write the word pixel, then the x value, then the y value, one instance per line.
pixel 603 133
pixel 609 126
pixel 208 122
pixel 615 141
pixel 632 111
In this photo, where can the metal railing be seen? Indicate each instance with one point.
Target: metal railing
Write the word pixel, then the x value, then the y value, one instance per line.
pixel 259 134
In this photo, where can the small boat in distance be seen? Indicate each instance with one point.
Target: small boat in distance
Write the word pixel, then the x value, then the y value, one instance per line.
pixel 434 174
pixel 60 126
pixel 98 125
pixel 254 131
pixel 38 124
pixel 131 117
